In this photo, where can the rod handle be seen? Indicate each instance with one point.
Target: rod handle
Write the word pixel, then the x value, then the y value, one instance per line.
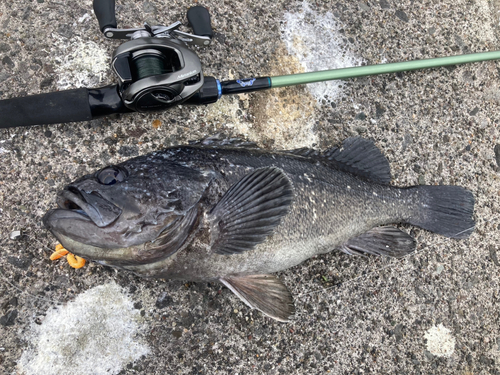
pixel 51 108
pixel 199 20
pixel 105 13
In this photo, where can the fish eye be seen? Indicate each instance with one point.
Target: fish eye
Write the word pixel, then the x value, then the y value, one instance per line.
pixel 110 176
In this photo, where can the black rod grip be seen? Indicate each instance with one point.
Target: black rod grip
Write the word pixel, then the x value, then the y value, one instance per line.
pixel 105 12
pixel 51 108
pixel 199 20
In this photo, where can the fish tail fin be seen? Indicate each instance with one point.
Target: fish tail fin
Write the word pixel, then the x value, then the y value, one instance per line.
pixel 445 210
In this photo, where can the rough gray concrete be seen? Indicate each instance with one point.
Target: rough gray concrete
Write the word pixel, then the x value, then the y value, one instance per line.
pixel 354 315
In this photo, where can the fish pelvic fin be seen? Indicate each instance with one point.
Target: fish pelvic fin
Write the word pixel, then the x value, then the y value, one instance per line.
pixel 387 241
pixel 265 293
pixel 250 210
pixel 445 210
pixel 357 155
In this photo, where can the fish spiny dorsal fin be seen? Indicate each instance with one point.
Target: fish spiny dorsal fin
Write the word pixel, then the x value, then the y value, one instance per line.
pixel 357 155
pixel 387 241
pixel 250 210
pixel 265 293
pixel 220 140
pixel 306 152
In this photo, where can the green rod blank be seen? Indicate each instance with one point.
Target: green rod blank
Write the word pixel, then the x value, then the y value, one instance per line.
pixel 360 71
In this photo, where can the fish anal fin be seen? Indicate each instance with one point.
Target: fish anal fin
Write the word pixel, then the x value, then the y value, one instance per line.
pixel 250 210
pixel 265 293
pixel 387 241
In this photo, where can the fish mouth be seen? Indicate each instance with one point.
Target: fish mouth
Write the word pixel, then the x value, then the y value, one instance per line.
pixel 77 204
pixel 73 203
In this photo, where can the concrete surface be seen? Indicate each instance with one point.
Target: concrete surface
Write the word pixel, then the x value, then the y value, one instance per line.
pixel 434 312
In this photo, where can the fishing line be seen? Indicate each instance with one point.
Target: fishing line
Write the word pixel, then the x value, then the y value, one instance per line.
pixel 147 63
pixel 156 71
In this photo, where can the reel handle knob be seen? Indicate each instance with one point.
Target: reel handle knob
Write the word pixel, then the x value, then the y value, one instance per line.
pixel 105 13
pixel 199 20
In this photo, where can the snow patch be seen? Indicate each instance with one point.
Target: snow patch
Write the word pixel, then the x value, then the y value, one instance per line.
pixel 315 40
pixel 80 63
pixel 94 334
pixel 440 342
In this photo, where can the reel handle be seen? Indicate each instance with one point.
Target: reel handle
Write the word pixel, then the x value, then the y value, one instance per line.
pixel 199 20
pixel 105 13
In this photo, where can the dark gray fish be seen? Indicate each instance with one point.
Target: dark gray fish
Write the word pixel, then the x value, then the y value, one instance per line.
pixel 228 211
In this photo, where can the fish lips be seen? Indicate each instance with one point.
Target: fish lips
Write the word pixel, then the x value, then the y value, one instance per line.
pixel 62 221
pixel 81 205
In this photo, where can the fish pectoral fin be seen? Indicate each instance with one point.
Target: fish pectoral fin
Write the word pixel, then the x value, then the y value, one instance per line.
pixel 388 241
pixel 265 293
pixel 250 210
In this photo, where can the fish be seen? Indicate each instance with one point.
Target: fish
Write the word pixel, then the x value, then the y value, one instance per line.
pixel 226 210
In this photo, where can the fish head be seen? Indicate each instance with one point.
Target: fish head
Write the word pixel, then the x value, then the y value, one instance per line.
pixel 127 205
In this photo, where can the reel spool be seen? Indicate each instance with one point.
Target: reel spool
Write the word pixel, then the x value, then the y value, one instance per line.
pixel 149 62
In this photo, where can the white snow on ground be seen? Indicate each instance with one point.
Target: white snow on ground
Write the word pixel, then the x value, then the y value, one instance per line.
pixel 94 334
pixel 80 63
pixel 315 40
pixel 440 342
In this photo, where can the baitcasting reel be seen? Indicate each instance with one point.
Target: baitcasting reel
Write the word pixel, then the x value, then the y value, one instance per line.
pixel 155 68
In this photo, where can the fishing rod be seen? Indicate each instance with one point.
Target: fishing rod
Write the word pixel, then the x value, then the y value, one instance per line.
pixel 156 71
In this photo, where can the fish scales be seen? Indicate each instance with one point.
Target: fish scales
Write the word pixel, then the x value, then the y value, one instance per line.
pixel 342 207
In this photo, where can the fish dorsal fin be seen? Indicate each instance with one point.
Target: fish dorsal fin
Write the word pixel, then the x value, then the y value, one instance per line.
pixel 357 155
pixel 250 210
pixel 388 241
pixel 306 152
pixel 360 156
pixel 265 293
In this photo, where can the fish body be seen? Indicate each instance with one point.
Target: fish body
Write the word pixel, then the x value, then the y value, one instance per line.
pixel 231 212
